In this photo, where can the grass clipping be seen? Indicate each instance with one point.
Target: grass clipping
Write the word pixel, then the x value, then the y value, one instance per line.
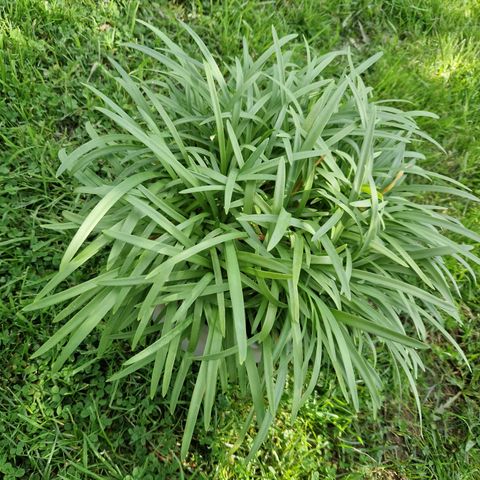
pixel 254 222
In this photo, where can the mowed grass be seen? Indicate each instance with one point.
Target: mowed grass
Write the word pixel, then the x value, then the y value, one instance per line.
pixel 75 424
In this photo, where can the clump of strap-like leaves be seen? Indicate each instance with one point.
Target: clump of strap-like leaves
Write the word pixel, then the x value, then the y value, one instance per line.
pixel 254 221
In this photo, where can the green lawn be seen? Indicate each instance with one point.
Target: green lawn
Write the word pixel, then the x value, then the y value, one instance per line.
pixel 75 424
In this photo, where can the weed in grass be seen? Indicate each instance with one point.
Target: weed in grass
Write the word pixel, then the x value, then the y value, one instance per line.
pixel 67 45
pixel 254 230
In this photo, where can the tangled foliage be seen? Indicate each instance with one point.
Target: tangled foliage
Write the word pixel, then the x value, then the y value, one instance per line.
pixel 260 220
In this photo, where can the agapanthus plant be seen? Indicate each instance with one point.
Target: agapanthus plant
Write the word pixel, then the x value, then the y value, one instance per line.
pixel 252 223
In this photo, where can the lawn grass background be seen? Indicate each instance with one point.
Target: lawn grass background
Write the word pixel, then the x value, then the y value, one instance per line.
pixel 75 424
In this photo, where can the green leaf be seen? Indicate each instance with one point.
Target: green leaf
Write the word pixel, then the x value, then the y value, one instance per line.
pixel 282 225
pixel 105 204
pixel 236 297
pixel 96 313
pixel 376 329
pixel 328 225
